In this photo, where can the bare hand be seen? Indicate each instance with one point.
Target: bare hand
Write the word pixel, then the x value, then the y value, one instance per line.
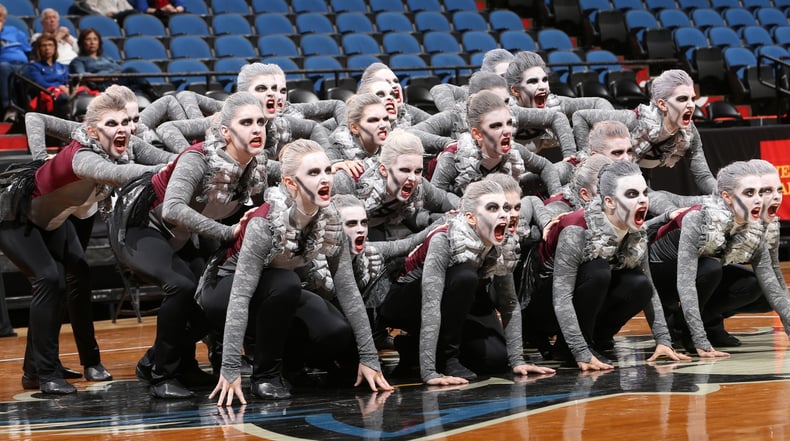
pixel 374 403
pixel 525 369
pixel 375 379
pixel 228 389
pixel 712 353
pixel 353 168
pixel 243 222
pixel 593 365
pixel 447 380
pixel 551 223
pixel 666 351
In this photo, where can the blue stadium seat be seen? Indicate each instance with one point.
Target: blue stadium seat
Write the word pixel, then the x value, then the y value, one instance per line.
pixel 723 37
pixel 313 23
pixel 657 5
pixel 230 6
pixel 687 40
pixel 229 64
pixel 110 49
pixel 639 21
pixel 478 41
pixel 393 22
pixel 19 24
pixel 772 50
pixel 273 24
pixel 417 68
pixel 330 70
pixel 354 22
pixel 673 18
pixel 756 36
pixel 604 59
pixel 340 6
pixel 562 71
pixel 270 6
pixel 554 39
pixel 627 5
pixel 143 24
pixel 721 5
pixel 361 62
pixel 354 44
pixel 144 48
pixel 188 24
pixel 591 8
pixel 469 21
pixel 277 45
pixel 197 7
pixel 231 24
pixel 424 5
pixel 105 26
pixel 743 64
pixel 705 19
pixel 188 65
pixel 426 21
pixel 377 6
pixel 450 60
pixel 287 65
pixel 319 44
pixel 190 46
pixel 769 18
pixel 460 5
pixel 782 35
pixel 144 66
pixel 505 20
pixel 234 46
pixel 304 6
pixel 515 41
pixel 689 5
pixel 440 42
pixel 20 8
pixel 400 43
pixel 754 5
pixel 739 18
pixel 62 6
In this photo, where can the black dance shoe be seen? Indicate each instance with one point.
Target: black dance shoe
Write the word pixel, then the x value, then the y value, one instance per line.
pixel 8 333
pixel 70 374
pixel 143 371
pixel 196 377
pixel 170 389
pixel 454 368
pixel 723 339
pixel 30 381
pixel 271 389
pixel 97 373
pixel 58 387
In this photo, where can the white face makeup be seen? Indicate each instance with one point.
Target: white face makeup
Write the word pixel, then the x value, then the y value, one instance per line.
pixel 268 89
pixel 618 149
pixel 501 68
pixel 490 219
pixel 502 93
pixel 772 191
pixel 355 224
pixel 627 209
pixel 313 182
pixel 282 95
pixel 514 204
pixel 403 176
pixel 373 127
pixel 383 90
pixel 533 90
pixel 679 108
pixel 246 134
pixel 113 132
pixel 133 110
pixel 746 201
pixel 391 79
pixel 495 133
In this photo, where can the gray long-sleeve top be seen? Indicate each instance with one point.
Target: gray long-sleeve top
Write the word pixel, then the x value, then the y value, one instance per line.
pixel 437 261
pixel 255 249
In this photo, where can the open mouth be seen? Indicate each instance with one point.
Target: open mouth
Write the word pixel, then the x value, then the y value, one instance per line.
pixel 359 243
pixel 540 99
pixel 511 226
pixel 406 190
pixel 756 212
pixel 398 96
pixel 639 216
pixel 390 107
pixel 324 192
pixel 687 117
pixel 772 209
pixel 505 145
pixel 382 134
pixel 499 231
pixel 256 142
pixel 119 144
pixel 271 105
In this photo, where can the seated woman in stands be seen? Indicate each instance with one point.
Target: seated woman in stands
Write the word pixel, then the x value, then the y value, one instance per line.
pixel 47 72
pixel 35 235
pixel 662 132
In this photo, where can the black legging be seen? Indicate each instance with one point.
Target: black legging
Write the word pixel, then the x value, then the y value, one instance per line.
pixel 180 321
pixel 483 349
pixel 665 277
pixel 53 261
pixel 739 291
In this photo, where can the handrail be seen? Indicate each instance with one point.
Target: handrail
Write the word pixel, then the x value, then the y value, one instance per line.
pixel 778 66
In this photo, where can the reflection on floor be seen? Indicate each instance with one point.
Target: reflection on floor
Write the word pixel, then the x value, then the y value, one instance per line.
pixel 741 397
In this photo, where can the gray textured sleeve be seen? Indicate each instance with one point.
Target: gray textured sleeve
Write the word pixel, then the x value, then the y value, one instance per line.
pixel 196 105
pixel 688 256
pixel 584 119
pixel 342 183
pixel 92 167
pixel 254 249
pixel 571 105
pixel 772 286
pixel 38 126
pixel 434 271
pixel 308 129
pixel 401 247
pixel 654 311
pixel 510 314
pixel 438 200
pixel 548 119
pixel 445 172
pixel 323 110
pixel 417 115
pixel 145 153
pixel 544 167
pixel 567 259
pixel 438 124
pixel 445 96
pixel 165 108
pixel 186 181
pixel 176 135
pixel 353 307
pixel 433 144
pixel 700 170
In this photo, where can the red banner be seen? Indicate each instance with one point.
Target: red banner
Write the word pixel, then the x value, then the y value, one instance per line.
pixel 777 152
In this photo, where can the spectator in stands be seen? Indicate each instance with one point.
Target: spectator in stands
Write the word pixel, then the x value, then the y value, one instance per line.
pixel 160 8
pixel 50 74
pixel 66 43
pixel 91 61
pixel 115 9
pixel 14 50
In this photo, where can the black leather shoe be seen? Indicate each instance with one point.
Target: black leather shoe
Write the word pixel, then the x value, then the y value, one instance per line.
pixel 58 387
pixel 10 333
pixel 723 339
pixel 454 368
pixel 170 389
pixel 70 373
pixel 143 372
pixel 196 377
pixel 97 373
pixel 272 389
pixel 30 381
